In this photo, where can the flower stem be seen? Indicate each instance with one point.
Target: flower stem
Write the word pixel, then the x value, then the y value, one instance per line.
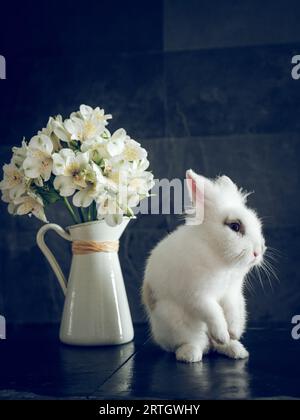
pixel 81 214
pixel 89 213
pixel 94 211
pixel 71 211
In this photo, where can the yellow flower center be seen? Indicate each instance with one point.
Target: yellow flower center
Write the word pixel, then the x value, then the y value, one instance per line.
pixel 43 158
pixel 45 163
pixel 73 169
pixel 39 155
pixel 30 205
pixel 136 183
pixel 13 178
pixel 89 129
pixel 115 177
pixel 76 173
pixel 131 153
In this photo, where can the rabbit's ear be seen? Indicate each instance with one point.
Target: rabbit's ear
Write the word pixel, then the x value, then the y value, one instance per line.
pixel 226 182
pixel 196 186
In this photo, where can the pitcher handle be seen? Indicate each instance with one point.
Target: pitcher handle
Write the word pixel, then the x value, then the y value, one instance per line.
pixel 48 254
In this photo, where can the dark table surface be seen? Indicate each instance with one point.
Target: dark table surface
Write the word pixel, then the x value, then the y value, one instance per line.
pixel 35 365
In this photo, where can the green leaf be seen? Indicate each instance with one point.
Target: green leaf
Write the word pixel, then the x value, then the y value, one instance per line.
pixel 74 145
pixel 48 197
pixel 47 192
pixel 129 212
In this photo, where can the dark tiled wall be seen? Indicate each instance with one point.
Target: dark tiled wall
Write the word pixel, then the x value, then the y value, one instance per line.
pixel 199 85
pixel 194 24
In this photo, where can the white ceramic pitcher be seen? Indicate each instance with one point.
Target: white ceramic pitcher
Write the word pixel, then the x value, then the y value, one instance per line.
pixel 96 310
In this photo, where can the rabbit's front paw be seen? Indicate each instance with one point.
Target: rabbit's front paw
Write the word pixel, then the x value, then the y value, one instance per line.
pixel 235 330
pixel 236 350
pixel 220 335
pixel 188 353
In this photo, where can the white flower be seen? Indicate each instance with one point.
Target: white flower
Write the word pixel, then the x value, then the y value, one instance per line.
pixel 83 130
pixel 86 124
pixel 97 149
pixel 55 131
pixel 87 112
pixel 108 208
pixel 69 169
pixel 141 184
pixel 39 160
pixel 13 181
pixel 95 184
pixel 11 205
pixel 19 154
pixel 130 182
pixel 60 130
pixel 114 164
pixel 78 157
pixel 135 190
pixel 64 185
pixel 138 167
pixel 116 142
pixel 138 177
pixel 126 198
pixel 117 175
pixel 133 151
pixel 31 204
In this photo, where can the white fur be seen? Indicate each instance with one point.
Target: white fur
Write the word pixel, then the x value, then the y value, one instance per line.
pixel 193 285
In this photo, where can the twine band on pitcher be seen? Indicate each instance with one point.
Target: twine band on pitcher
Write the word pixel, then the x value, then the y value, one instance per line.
pixel 88 247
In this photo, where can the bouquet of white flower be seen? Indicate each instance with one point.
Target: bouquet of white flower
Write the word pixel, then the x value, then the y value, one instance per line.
pixel 104 173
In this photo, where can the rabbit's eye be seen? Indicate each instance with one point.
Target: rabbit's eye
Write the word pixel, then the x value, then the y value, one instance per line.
pixel 236 226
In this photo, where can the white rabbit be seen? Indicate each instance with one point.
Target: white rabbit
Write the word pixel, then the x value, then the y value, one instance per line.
pixel 193 285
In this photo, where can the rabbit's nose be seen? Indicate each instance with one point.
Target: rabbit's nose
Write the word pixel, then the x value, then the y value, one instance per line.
pixel 259 251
